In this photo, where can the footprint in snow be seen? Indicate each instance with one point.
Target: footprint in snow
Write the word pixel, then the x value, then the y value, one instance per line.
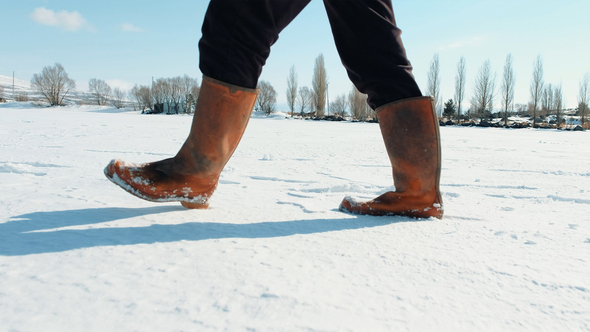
pixel 19 168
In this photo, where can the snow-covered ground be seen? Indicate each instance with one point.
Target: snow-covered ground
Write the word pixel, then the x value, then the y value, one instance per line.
pixel 273 252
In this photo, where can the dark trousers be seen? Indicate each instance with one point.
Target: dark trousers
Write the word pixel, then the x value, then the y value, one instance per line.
pixel 238 34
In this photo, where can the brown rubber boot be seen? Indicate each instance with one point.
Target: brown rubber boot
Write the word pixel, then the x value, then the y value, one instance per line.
pixel 221 115
pixel 412 139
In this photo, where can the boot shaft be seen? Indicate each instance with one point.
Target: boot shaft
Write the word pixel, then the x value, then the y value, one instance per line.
pixel 221 116
pixel 412 139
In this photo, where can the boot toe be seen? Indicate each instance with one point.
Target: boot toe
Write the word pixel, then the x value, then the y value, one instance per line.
pixel 110 169
pixel 351 205
pixel 345 206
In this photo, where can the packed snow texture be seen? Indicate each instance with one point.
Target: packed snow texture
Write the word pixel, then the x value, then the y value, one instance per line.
pixel 273 252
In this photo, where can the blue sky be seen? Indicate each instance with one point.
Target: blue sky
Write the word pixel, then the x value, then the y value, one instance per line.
pixel 127 42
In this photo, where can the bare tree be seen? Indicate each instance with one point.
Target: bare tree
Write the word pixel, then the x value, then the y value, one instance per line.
pixel 434 83
pixel 195 91
pixel 550 102
pixel 21 96
pixel 484 90
pixel 339 105
pixel 536 87
pixel 53 83
pixel 319 85
pixel 1 91
pixel 118 98
pixel 547 99
pixel 558 104
pixel 143 97
pixel 167 92
pixel 136 97
pixel 100 89
pixel 357 104
pixel 584 96
pixel 292 88
pixel 304 100
pixel 460 84
pixel 189 90
pixel 176 95
pixel 508 82
pixel 521 109
pixel 147 99
pixel 160 94
pixel 267 98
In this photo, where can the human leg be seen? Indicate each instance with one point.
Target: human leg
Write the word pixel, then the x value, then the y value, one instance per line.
pixel 371 49
pixel 237 36
pixel 221 115
pixel 412 140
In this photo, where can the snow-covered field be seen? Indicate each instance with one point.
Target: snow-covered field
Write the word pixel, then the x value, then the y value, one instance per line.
pixel 273 252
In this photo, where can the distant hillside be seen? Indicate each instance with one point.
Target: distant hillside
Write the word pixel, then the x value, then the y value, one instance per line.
pixel 24 92
pixel 19 85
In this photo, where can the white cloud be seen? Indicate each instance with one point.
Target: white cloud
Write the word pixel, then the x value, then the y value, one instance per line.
pixel 69 21
pixel 128 27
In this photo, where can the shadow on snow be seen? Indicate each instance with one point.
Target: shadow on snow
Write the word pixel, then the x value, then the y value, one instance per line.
pixel 32 233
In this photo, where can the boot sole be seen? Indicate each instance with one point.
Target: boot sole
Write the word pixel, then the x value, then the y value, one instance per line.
pixel 186 202
pixel 422 213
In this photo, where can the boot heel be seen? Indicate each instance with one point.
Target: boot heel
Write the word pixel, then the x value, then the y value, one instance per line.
pixel 194 205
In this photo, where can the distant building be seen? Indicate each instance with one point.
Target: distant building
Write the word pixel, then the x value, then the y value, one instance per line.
pixel 165 108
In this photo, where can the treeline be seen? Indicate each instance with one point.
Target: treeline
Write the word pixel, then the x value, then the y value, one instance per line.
pixel 167 95
pixel 546 99
pixel 179 94
pixel 103 93
pixel 171 95
pixel 314 100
